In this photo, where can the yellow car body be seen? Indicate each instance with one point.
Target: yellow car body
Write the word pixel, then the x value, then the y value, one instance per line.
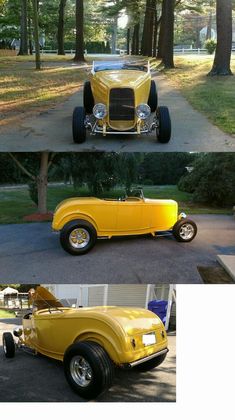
pixel 50 331
pixel 132 216
pixel 137 82
pixel 90 341
pixel 82 220
pixel 120 98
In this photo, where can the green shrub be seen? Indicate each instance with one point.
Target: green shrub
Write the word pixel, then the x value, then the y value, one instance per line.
pixel 210 45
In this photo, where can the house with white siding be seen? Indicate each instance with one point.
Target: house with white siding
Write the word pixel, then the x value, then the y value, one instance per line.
pixel 139 295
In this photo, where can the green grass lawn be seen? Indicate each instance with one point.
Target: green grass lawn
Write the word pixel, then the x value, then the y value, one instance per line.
pixel 24 89
pixel 16 203
pixel 7 314
pixel 213 96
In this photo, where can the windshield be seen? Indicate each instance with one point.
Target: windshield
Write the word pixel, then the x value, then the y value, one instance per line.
pixel 113 65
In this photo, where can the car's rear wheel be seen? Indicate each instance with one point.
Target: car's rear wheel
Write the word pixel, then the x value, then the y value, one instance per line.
pixel 8 344
pixel 153 97
pixel 79 129
pixel 78 237
pixel 88 99
pixel 151 364
pixel 185 230
pixel 88 369
pixel 163 130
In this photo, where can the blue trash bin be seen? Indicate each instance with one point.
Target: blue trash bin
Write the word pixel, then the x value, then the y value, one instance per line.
pixel 159 307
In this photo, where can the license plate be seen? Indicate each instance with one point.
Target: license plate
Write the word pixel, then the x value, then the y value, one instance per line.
pixel 149 339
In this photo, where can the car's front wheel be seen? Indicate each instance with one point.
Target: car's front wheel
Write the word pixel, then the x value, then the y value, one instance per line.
pixel 78 237
pixel 79 128
pixel 88 99
pixel 8 344
pixel 163 130
pixel 153 97
pixel 88 369
pixel 151 364
pixel 185 230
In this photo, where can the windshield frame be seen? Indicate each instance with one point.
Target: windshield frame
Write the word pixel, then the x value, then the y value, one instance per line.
pixel 99 66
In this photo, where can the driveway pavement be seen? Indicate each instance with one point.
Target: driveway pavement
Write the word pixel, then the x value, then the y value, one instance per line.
pixel 31 253
pixel 28 378
pixel 51 130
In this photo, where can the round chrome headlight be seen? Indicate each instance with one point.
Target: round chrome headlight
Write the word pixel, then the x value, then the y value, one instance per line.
pixel 143 111
pixel 100 111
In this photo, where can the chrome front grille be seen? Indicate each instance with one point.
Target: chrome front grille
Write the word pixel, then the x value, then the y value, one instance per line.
pixel 122 104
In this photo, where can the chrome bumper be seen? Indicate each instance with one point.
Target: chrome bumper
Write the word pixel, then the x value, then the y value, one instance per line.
pixel 92 124
pixel 145 359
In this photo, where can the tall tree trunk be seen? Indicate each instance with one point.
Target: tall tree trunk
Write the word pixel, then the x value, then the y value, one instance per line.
pixel 221 65
pixel 114 36
pixel 128 41
pixel 136 40
pixel 168 38
pixel 133 47
pixel 23 29
pixel 42 180
pixel 30 37
pixel 209 26
pixel 161 32
pixel 79 54
pixel 60 32
pixel 147 38
pixel 155 33
pixel 36 35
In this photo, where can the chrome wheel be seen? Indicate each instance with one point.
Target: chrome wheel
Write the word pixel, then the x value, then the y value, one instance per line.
pixel 81 371
pixel 186 231
pixel 79 238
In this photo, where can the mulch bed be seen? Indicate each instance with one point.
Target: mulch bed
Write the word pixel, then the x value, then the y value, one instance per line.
pixel 37 217
pixel 214 275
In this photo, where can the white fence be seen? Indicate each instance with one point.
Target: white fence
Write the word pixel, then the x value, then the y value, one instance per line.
pixel 199 51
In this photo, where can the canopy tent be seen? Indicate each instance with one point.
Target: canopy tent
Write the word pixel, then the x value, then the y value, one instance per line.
pixel 9 291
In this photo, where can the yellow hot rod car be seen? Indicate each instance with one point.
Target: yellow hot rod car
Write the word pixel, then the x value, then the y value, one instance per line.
pixel 90 341
pixel 120 98
pixel 82 220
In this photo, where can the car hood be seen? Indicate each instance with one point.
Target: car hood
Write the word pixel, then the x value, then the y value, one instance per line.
pixel 121 78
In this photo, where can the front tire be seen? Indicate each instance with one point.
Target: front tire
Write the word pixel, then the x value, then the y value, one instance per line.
pixel 88 369
pixel 79 129
pixel 88 99
pixel 78 237
pixel 163 130
pixel 153 97
pixel 151 364
pixel 185 230
pixel 8 345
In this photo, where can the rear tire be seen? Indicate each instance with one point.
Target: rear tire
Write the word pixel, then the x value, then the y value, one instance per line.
pixel 69 237
pixel 185 230
pixel 88 99
pixel 79 129
pixel 88 369
pixel 8 345
pixel 151 364
pixel 153 97
pixel 163 130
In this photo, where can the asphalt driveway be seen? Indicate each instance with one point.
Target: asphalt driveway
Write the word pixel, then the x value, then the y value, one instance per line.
pixel 31 253
pixel 28 378
pixel 52 130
